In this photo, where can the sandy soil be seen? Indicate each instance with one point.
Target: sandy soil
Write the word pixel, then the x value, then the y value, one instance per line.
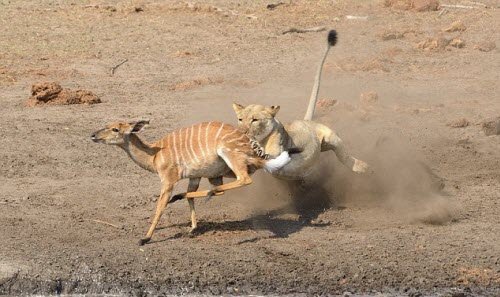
pixel 393 232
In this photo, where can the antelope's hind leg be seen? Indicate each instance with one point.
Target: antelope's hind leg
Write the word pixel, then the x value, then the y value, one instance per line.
pixel 193 186
pixel 214 181
pixel 237 163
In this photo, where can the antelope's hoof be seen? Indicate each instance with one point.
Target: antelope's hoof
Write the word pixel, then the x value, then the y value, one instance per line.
pixel 192 232
pixel 175 198
pixel 210 195
pixel 144 241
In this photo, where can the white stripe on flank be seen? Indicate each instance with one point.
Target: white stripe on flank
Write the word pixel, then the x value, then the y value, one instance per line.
pixel 199 140
pixel 244 142
pixel 170 153
pixel 191 145
pixel 180 146
pixel 230 133
pixel 206 139
pixel 186 145
pixel 162 148
pixel 175 149
pixel 220 152
pixel 236 139
pixel 218 132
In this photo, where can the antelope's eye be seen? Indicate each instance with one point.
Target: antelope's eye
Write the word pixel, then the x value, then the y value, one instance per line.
pixel 115 130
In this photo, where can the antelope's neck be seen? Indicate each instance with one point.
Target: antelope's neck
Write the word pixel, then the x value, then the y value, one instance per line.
pixel 140 152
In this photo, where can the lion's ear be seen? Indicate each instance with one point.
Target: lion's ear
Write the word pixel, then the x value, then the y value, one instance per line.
pixel 273 110
pixel 238 107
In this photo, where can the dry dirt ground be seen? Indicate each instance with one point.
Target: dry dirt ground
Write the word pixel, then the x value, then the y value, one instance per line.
pixel 72 211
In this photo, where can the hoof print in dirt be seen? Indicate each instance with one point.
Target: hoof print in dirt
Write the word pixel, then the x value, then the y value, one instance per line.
pixel 52 93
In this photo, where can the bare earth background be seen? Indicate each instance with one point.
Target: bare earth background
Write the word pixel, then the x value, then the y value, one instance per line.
pixel 392 232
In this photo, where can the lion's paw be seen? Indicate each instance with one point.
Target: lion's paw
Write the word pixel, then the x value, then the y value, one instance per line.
pixel 361 167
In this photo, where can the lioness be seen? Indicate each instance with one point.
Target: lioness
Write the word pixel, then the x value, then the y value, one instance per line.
pixel 312 138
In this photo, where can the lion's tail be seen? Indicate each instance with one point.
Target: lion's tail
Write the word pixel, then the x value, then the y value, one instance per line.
pixel 332 40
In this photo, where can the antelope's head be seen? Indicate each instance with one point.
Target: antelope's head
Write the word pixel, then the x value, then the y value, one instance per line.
pixel 116 133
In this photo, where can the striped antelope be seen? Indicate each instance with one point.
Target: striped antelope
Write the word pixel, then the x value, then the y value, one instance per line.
pixel 209 150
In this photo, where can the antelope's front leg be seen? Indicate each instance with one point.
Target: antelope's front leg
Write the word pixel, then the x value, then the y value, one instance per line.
pixel 160 208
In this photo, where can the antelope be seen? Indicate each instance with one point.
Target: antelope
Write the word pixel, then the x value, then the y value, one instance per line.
pixel 210 150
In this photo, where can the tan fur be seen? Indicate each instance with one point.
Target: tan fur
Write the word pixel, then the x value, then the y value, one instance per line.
pixel 312 138
pixel 209 150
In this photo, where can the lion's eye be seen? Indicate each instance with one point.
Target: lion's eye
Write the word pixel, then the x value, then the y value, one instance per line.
pixel 254 120
pixel 115 130
pixel 240 120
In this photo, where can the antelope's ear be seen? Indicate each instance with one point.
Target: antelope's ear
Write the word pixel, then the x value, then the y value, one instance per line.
pixel 138 126
pixel 273 110
pixel 238 107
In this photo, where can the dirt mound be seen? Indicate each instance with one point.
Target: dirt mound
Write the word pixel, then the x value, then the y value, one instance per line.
pixel 491 126
pixel 368 98
pixel 52 93
pixel 434 44
pixel 416 5
pixel 198 82
pixel 485 46
pixel 457 26
pixel 353 65
pixel 459 123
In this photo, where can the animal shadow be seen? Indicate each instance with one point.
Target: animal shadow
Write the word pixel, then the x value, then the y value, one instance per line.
pixel 308 200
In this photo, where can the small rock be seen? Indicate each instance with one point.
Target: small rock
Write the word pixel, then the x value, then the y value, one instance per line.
pixel 455 26
pixel 460 123
pixel 436 43
pixel 272 6
pixel 464 140
pixel 458 294
pixel 326 103
pixel 457 42
pixel 398 4
pixel 425 5
pixel 368 98
pixel 417 5
pixel 491 126
pixel 485 46
pixel 390 35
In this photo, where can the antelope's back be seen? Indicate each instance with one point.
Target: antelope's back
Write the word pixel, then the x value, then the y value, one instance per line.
pixel 194 149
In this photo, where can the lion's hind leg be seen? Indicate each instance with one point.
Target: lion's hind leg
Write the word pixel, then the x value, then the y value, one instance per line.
pixel 331 141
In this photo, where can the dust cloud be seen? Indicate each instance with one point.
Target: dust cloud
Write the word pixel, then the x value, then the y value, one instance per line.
pixel 401 185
